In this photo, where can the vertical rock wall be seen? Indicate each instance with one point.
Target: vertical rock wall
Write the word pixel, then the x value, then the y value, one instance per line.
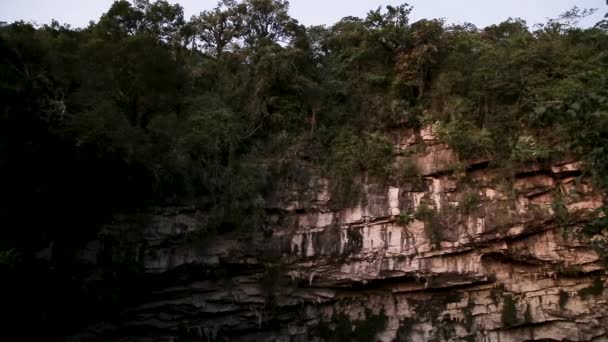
pixel 462 252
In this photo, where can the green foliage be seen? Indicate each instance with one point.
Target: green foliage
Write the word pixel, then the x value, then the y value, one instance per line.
pixel 469 141
pixel 265 21
pixel 528 148
pixel 469 201
pixel 145 108
pixel 407 171
pixel 404 219
pixel 595 289
pixel 352 156
pixel 433 226
pixel 426 210
pixel 509 311
pixel 217 28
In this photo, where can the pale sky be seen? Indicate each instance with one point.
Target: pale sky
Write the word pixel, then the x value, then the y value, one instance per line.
pixel 315 12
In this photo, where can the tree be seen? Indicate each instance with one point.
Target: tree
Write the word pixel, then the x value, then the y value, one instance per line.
pixel 391 28
pixel 160 20
pixel 121 19
pixel 127 115
pixel 414 65
pixel 265 21
pixel 218 28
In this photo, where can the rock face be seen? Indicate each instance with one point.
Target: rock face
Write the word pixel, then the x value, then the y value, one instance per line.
pixel 464 252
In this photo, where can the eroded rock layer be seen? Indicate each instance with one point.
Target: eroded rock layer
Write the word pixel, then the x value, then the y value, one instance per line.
pixel 458 252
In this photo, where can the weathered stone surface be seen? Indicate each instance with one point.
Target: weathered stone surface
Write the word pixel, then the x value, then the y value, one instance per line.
pixel 448 278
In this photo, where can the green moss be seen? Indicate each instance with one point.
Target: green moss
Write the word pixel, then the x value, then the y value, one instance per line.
pixel 201 236
pixel 271 284
pixel 503 216
pixel 445 329
pixel 538 212
pixel 405 330
pixel 496 293
pixel 595 289
pixel 570 271
pixel 347 330
pixel 528 315
pixel 509 311
pixel 453 297
pixel 564 297
pixel 323 331
pixel 366 330
pixel 468 314
pixel 560 211
pixel 343 331
pixel 431 308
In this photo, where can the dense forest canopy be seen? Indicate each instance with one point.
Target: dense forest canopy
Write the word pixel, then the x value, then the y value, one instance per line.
pixel 146 108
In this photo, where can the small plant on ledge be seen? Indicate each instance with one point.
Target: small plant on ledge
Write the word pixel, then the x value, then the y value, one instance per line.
pixel 404 219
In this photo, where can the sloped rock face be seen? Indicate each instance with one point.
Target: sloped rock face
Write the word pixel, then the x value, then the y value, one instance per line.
pixel 464 253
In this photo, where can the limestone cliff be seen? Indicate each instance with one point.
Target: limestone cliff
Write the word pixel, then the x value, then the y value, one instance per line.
pixel 463 252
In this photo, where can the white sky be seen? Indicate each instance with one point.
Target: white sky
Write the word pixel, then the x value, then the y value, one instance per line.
pixel 315 12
